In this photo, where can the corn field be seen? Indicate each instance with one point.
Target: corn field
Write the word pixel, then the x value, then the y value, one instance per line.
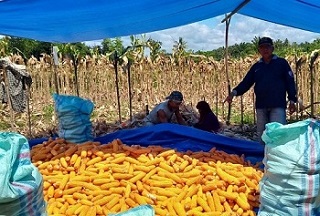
pixel 150 82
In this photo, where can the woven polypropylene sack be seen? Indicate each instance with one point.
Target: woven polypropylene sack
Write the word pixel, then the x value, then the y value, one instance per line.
pixel 291 181
pixel 21 191
pixel 142 210
pixel 74 118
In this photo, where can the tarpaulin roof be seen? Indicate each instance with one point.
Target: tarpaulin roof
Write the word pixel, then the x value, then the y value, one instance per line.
pixel 84 20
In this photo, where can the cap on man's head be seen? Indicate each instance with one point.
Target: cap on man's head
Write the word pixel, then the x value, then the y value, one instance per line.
pixel 176 96
pixel 265 40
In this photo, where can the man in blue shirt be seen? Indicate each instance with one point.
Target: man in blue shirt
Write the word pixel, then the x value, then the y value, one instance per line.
pixel 273 79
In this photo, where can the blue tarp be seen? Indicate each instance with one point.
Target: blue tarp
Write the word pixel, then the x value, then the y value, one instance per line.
pixel 83 20
pixel 182 138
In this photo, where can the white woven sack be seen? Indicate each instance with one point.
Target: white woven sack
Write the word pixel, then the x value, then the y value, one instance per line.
pixel 291 182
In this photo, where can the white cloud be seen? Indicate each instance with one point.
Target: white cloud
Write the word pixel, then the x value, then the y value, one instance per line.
pixel 210 34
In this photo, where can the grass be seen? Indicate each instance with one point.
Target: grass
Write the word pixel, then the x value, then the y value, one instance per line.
pixel 248 118
pixel 48 112
pixel 4 125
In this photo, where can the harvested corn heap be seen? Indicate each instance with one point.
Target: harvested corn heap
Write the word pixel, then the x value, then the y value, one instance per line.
pixel 95 179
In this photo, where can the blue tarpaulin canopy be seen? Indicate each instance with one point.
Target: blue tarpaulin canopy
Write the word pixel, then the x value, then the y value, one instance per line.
pixel 84 20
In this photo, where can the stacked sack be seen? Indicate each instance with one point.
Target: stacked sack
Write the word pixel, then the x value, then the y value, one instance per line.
pixel 73 114
pixel 21 191
pixel 291 181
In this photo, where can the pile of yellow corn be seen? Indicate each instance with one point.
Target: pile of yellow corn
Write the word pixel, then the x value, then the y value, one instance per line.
pixel 95 179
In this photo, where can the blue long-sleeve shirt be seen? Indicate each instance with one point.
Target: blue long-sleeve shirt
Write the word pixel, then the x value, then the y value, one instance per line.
pixel 272 82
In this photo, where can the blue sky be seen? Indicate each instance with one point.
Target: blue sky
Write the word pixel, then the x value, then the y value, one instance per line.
pixel 210 34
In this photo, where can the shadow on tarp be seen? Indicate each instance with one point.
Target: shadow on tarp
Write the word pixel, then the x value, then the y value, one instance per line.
pixel 181 138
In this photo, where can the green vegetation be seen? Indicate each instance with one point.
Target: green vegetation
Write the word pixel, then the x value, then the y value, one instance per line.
pixel 28 48
pixel 247 118
pixel 48 112
pixel 4 125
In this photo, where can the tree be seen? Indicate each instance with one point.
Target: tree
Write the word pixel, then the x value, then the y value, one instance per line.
pixel 74 51
pixel 242 50
pixel 179 50
pixel 137 48
pixel 155 49
pixel 111 45
pixel 26 47
pixel 179 47
pixel 4 46
pixel 255 41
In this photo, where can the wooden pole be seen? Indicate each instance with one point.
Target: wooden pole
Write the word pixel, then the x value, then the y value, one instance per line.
pixel 241 100
pixel 55 69
pixel 55 66
pixel 217 103
pixel 28 109
pixel 311 90
pixel 6 80
pixel 129 89
pixel 75 65
pixel 226 68
pixel 227 19
pixel 298 63
pixel 117 83
pixel 241 109
pixel 313 57
pixel 254 108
